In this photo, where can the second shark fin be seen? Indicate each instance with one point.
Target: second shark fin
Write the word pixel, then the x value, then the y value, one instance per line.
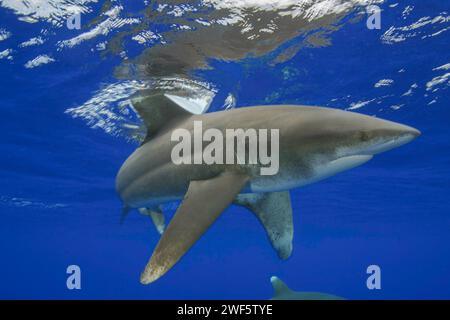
pixel 157 217
pixel 279 287
pixel 282 292
pixel 274 211
pixel 203 203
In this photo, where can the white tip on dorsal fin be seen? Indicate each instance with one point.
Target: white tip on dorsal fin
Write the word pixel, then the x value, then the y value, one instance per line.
pixel 160 110
pixel 190 105
pixel 279 287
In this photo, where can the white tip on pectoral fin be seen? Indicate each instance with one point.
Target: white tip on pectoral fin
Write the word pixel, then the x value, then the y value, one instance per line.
pixel 204 201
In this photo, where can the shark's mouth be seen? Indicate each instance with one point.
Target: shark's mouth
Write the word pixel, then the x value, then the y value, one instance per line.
pixel 330 168
pixel 374 147
pixel 347 162
pixel 383 145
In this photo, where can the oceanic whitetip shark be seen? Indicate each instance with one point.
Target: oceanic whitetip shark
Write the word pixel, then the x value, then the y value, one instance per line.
pixel 282 292
pixel 314 143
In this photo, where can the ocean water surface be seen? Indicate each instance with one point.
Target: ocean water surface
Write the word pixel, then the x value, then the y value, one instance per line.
pixel 67 125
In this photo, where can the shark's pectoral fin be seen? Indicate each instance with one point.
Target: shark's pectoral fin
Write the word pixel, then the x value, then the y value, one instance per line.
pixel 203 203
pixel 274 211
pixel 157 217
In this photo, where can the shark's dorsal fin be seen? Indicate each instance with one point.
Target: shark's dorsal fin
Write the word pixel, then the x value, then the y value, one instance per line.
pixel 203 203
pixel 282 292
pixel 279 287
pixel 274 211
pixel 160 110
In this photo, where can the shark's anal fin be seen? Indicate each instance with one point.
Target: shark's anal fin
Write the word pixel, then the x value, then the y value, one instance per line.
pixel 204 201
pixel 157 217
pixel 274 211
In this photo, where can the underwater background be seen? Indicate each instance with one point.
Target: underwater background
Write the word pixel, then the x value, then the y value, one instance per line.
pixel 67 126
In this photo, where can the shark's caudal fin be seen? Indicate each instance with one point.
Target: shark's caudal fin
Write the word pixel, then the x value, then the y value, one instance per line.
pixel 203 203
pixel 274 211
pixel 157 217
pixel 160 110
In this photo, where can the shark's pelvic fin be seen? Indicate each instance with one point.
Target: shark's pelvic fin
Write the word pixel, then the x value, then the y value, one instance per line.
pixel 274 211
pixel 124 214
pixel 157 217
pixel 160 110
pixel 204 201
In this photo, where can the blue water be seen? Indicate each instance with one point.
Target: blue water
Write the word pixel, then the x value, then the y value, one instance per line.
pixel 59 207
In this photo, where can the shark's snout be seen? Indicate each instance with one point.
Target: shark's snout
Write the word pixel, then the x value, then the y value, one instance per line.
pixel 393 136
pixel 362 135
pixel 403 131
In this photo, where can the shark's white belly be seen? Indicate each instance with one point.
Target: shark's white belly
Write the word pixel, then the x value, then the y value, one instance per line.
pixel 292 178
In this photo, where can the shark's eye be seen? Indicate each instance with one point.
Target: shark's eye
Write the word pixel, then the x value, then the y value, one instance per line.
pixel 364 136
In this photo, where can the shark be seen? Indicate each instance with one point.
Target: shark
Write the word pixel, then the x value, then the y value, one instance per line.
pixel 282 292
pixel 314 143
